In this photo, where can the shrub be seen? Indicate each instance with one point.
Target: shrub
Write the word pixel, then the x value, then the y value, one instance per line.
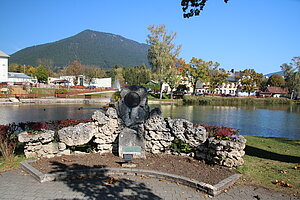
pixel 61 91
pixel 180 146
pixel 116 96
pixel 8 140
pixel 221 132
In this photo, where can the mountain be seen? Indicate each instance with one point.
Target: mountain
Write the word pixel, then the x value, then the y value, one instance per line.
pixel 88 47
pixel 279 73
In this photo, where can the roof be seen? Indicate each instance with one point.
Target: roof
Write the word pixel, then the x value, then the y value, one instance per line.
pixel 3 55
pixel 18 75
pixel 277 90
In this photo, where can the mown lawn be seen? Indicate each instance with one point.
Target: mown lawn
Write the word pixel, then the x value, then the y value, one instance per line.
pixel 271 159
pixel 6 165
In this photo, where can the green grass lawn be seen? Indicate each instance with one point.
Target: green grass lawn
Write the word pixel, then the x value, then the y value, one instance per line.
pixel 6 165
pixel 271 159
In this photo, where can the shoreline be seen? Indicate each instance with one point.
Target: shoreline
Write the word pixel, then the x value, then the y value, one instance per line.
pixel 42 101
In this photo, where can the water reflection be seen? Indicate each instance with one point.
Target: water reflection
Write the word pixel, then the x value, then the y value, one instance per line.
pixel 24 113
pixel 271 121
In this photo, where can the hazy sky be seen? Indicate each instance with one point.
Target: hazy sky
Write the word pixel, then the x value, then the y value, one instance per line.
pixel 259 34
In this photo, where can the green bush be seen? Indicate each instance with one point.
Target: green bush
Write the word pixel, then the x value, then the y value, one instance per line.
pixel 116 96
pixel 180 146
pixel 61 91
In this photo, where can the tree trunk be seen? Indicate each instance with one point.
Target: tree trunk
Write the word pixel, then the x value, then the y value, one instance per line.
pixel 161 90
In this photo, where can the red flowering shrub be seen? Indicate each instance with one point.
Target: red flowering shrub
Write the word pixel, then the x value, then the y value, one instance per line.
pixel 221 132
pixel 69 122
pixel 8 140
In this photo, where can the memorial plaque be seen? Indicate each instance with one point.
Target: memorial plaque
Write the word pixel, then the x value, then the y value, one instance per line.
pixel 132 149
pixel 131 142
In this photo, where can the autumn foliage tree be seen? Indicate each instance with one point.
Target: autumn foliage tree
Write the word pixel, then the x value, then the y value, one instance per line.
pixel 162 52
pixel 250 80
pixel 75 69
pixel 276 80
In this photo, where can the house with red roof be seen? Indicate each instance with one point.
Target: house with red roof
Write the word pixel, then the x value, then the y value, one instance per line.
pixel 273 91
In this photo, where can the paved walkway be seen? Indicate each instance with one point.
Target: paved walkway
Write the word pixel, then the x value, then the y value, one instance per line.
pixel 19 185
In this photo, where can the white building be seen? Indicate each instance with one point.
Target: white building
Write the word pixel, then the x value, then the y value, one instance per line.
pixel 81 81
pixel 14 77
pixel 3 67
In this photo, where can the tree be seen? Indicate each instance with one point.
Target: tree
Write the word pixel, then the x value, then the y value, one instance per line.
pixel 75 69
pixel 250 80
pixel 172 78
pixel 276 80
pixel 137 75
pixel 91 72
pixel 42 74
pixel 196 6
pixel 162 51
pixel 14 67
pixel 199 71
pixel 292 77
pixel 217 77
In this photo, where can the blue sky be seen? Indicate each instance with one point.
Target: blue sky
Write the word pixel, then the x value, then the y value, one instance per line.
pixel 259 34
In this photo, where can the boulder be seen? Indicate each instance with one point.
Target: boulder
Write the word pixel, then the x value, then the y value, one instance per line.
pixel 185 131
pixel 77 135
pixel 43 138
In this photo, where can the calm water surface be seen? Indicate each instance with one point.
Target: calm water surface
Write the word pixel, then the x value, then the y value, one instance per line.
pixel 269 121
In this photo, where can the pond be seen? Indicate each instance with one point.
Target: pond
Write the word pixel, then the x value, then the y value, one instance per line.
pixel 268 121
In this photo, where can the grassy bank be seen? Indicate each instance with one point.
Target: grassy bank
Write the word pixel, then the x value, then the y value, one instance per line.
pixel 190 99
pixel 271 159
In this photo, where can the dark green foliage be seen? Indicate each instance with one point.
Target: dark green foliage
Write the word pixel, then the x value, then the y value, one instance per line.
pixel 42 74
pixel 61 91
pixel 276 80
pixel 179 146
pixel 190 99
pixel 137 75
pixel 193 7
pixel 89 48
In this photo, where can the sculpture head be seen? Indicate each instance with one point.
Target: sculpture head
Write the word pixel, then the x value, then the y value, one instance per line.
pixel 133 106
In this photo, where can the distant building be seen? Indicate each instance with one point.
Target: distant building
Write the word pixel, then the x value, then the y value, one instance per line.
pixel 275 92
pixel 81 81
pixel 3 66
pixel 14 77
pixel 228 88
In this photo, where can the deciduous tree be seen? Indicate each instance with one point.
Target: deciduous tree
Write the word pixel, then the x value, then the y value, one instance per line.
pixel 42 73
pixel 276 80
pixel 162 51
pixel 250 80
pixel 91 72
pixel 217 77
pixel 199 71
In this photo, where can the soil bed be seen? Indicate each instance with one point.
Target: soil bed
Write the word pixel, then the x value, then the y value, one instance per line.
pixel 173 164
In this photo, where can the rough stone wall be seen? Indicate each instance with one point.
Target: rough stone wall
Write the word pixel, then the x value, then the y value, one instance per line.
pixel 158 132
pixel 108 128
pixel 42 145
pixel 223 152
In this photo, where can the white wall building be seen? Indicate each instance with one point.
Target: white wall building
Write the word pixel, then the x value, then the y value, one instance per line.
pixel 3 67
pixel 81 81
pixel 14 77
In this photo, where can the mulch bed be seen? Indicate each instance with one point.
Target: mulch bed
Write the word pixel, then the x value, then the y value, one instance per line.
pixel 173 164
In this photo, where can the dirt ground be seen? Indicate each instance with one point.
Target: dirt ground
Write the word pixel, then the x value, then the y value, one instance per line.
pixel 173 164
